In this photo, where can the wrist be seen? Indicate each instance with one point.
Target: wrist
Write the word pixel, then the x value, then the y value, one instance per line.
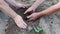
pixel 40 14
pixel 17 16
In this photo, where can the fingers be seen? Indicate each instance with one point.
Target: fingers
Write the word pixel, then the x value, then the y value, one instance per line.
pixel 25 6
pixel 25 25
pixel 20 23
pixel 22 26
pixel 26 12
pixel 30 18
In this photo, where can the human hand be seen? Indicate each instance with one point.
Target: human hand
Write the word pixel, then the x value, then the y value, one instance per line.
pixel 33 16
pixel 30 10
pixel 19 5
pixel 19 21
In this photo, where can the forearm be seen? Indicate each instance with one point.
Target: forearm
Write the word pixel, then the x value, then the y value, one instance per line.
pixel 50 10
pixel 8 11
pixel 37 3
pixel 12 2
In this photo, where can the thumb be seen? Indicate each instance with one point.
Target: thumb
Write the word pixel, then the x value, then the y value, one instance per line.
pixel 29 16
